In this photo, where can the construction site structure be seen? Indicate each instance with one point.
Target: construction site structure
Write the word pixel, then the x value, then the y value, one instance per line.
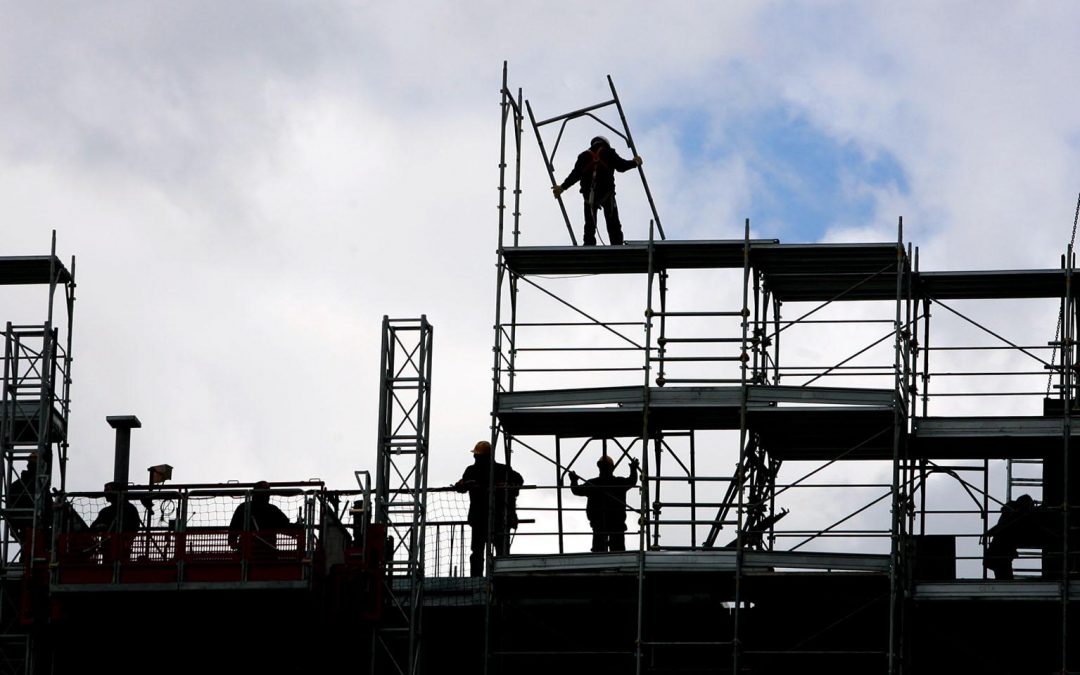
pixel 827 507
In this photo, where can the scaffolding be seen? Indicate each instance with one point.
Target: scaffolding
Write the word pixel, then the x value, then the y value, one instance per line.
pixel 707 369
pixel 34 411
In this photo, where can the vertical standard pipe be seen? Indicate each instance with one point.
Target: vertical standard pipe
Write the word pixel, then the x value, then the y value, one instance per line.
pixel 757 332
pixel 66 404
pixel 658 454
pixel 504 113
pixel 926 403
pixel 693 493
pixel 894 554
pixel 559 490
pixel 643 518
pixel 740 539
pixel 662 342
pixel 776 340
pixel 123 424
pixel 517 170
pixel 1067 358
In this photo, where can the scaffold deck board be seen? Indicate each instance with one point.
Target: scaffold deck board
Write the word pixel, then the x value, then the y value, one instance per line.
pixel 31 270
pixel 182 586
pixel 618 411
pixel 993 284
pixel 979 589
pixel 712 560
pixel 630 258
pixel 988 437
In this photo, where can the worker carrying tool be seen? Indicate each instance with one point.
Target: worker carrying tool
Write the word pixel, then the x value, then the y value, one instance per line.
pixel 595 169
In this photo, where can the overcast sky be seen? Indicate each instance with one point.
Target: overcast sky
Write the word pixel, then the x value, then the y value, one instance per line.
pixel 249 187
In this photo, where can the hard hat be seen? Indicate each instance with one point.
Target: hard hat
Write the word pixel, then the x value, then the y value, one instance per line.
pixel 482 448
pixel 599 139
pixel 605 459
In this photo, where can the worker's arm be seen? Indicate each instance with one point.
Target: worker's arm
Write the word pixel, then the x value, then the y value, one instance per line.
pixel 466 481
pixel 621 164
pixel 580 491
pixel 572 178
pixel 633 471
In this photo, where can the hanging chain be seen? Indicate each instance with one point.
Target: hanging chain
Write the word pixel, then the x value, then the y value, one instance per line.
pixel 1061 312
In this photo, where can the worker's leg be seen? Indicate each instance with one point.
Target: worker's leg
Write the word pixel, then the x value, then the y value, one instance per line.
pixel 611 217
pixel 590 223
pixel 599 542
pixel 501 540
pixel 476 560
pixel 617 541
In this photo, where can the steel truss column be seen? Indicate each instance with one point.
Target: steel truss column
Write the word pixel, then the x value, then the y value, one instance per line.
pixel 34 408
pixel 401 481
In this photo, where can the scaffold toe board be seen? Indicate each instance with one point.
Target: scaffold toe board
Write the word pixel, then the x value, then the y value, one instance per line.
pixel 988 437
pixel 713 560
pixel 629 258
pixel 826 258
pixel 1013 589
pixel 33 269
pixel 816 433
pixel 990 284
pixel 617 411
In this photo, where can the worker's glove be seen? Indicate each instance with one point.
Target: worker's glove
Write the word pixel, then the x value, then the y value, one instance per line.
pixel 573 477
pixel 634 462
pixel 639 161
pixel 557 189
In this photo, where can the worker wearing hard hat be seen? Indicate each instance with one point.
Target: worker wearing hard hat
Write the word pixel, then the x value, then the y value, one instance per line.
pixel 477 481
pixel 596 168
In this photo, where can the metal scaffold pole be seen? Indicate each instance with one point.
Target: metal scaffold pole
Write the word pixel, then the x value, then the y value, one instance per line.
pixel 740 477
pixel 899 415
pixel 643 518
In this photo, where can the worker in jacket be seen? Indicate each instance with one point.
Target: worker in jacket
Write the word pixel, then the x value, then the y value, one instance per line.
pixel 595 170
pixel 606 505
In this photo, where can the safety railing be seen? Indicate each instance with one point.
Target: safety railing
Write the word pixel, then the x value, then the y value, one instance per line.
pixel 201 534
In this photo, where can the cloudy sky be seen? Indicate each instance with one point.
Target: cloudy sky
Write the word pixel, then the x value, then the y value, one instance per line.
pixel 249 187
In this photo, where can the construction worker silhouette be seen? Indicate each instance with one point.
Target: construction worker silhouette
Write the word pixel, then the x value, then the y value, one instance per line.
pixel 596 168
pixel 262 519
pixel 606 505
pixel 476 481
pixel 118 522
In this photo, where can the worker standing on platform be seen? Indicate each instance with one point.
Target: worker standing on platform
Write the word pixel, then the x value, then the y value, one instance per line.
pixel 118 522
pixel 606 505
pixel 596 168
pixel 263 520
pixel 477 481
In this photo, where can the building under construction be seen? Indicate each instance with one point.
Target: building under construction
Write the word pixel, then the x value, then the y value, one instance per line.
pixel 792 515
